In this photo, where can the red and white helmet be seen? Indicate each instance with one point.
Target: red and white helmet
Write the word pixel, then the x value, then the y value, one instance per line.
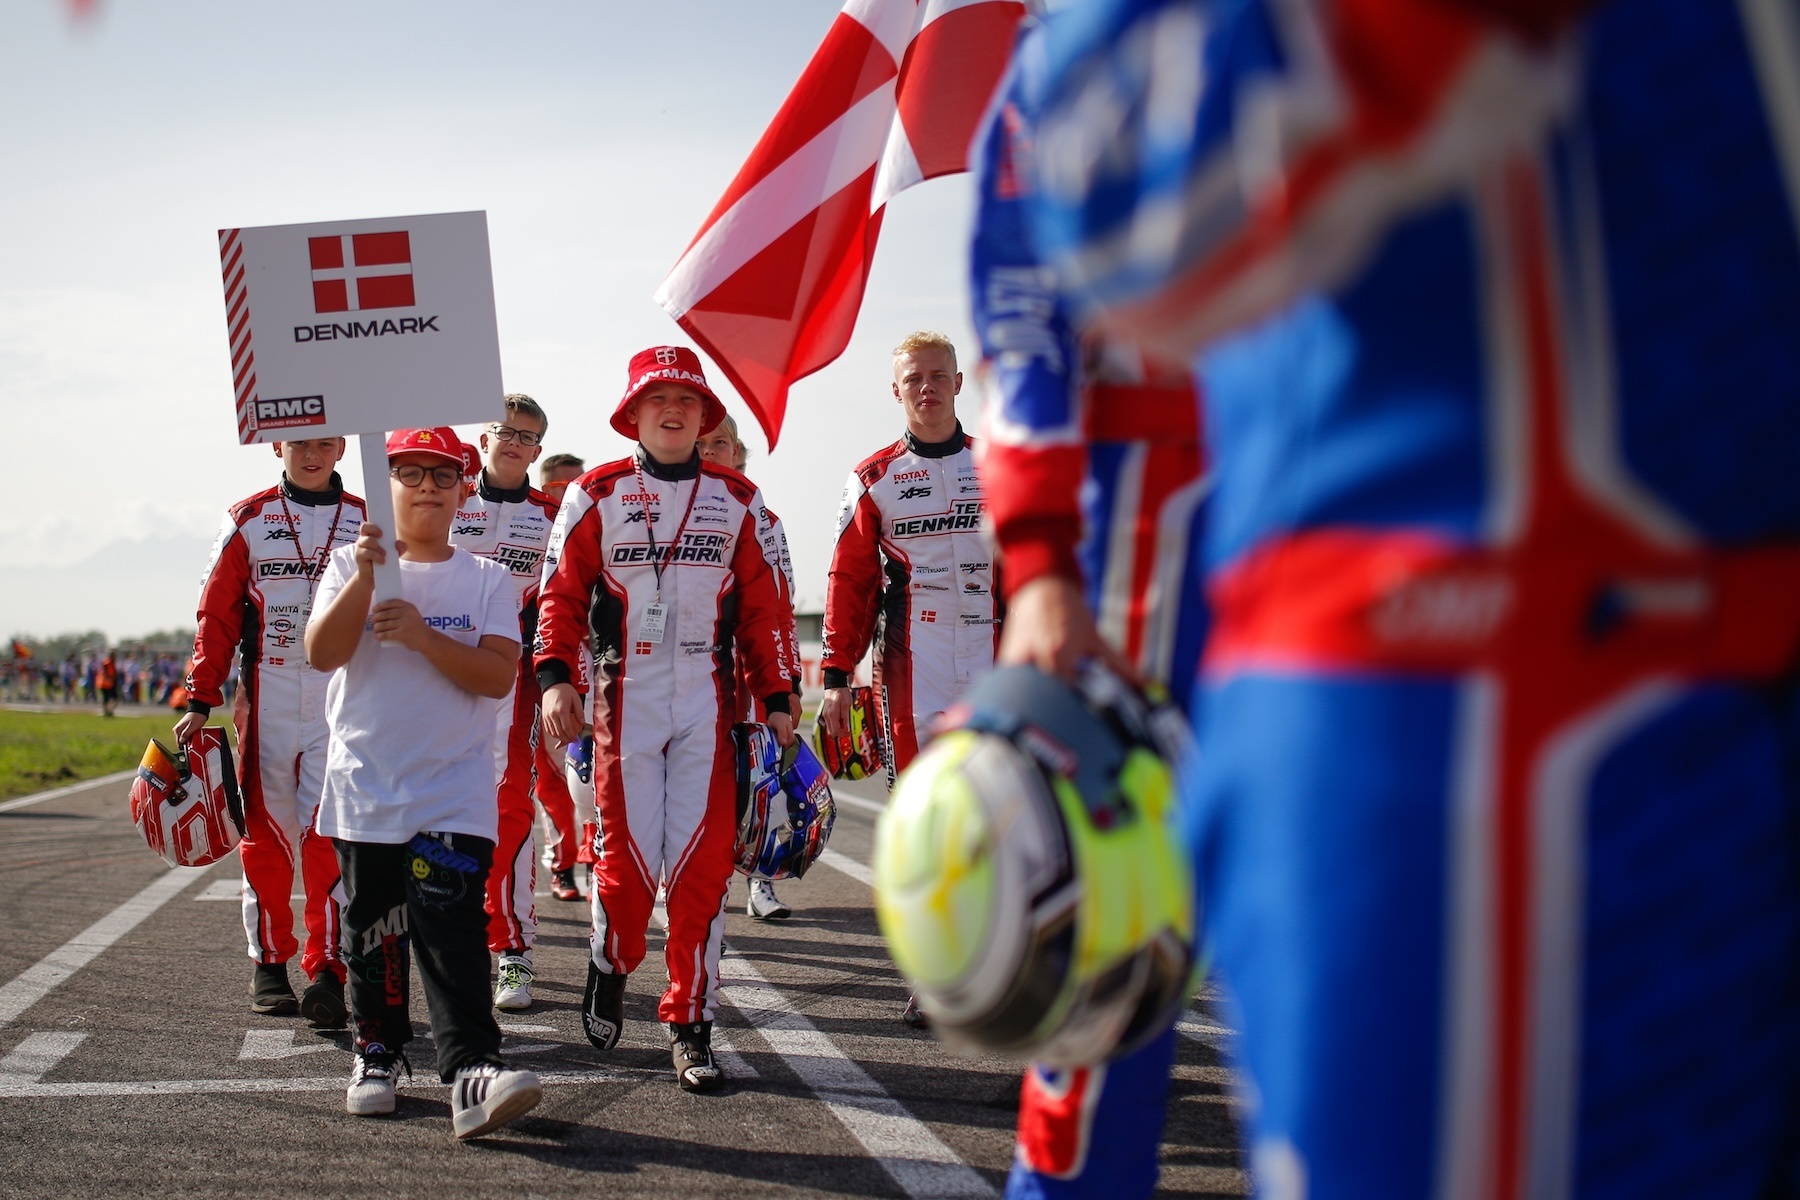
pixel 186 803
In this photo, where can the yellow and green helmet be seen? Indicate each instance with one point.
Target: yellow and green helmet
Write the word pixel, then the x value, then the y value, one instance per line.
pixel 1029 877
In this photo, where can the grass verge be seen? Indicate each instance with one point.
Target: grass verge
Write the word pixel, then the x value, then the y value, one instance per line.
pixel 47 750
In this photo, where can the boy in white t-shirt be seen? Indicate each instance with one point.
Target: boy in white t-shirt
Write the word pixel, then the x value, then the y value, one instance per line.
pixel 409 784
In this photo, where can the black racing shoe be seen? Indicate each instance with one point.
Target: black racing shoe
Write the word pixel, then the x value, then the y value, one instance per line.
pixel 563 886
pixel 690 1046
pixel 603 1007
pixel 322 1004
pixel 270 992
pixel 914 1016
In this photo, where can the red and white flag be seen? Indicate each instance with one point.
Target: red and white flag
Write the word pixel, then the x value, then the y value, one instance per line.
pixel 376 273
pixel 771 285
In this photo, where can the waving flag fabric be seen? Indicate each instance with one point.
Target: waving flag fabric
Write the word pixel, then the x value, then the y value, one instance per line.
pixel 771 285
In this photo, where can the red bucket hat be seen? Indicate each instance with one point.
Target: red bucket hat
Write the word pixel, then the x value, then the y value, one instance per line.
pixel 440 442
pixel 667 364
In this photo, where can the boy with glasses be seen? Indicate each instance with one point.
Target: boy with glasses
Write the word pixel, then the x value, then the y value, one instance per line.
pixel 409 784
pixel 508 521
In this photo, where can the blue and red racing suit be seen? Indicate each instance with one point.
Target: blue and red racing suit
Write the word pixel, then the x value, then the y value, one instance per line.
pixel 1492 309
pixel 1105 483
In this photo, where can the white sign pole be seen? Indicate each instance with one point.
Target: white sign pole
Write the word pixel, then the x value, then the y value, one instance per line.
pixel 381 512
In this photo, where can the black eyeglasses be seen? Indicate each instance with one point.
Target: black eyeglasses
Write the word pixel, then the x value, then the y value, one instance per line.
pixel 412 475
pixel 507 433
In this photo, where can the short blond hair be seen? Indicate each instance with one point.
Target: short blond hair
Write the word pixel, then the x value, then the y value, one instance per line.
pixel 926 339
pixel 729 425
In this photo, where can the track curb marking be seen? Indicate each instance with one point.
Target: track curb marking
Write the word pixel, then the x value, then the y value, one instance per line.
pixel 40 979
pixel 59 793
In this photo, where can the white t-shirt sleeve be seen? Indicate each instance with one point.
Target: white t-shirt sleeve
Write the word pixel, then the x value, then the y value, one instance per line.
pixel 339 570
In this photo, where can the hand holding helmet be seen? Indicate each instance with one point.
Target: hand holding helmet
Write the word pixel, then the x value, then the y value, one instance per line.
pixel 855 753
pixel 1029 878
pixel 785 808
pixel 185 802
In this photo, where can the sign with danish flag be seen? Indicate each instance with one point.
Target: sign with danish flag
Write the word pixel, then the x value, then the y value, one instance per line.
pixel 350 327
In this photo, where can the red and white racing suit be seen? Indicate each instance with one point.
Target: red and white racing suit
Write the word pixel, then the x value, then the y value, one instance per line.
pixel 910 551
pixel 512 527
pixel 636 540
pixel 750 705
pixel 255 598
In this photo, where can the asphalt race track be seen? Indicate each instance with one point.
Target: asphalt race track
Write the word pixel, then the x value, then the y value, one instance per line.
pixel 130 1063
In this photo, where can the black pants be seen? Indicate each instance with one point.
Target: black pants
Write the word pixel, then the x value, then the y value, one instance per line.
pixel 430 890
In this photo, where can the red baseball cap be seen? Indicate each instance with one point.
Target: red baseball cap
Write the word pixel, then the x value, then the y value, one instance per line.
pixel 440 442
pixel 667 364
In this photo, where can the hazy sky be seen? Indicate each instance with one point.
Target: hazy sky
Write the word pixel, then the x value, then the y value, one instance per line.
pixel 595 135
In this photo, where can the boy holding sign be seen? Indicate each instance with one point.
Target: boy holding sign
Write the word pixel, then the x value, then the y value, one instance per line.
pixel 409 784
pixel 664 552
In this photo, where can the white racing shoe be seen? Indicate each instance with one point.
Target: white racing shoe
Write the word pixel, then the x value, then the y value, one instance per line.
pixel 371 1090
pixel 512 991
pixel 486 1095
pixel 764 904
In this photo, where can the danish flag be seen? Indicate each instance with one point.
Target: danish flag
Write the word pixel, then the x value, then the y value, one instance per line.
pixel 354 271
pixel 771 284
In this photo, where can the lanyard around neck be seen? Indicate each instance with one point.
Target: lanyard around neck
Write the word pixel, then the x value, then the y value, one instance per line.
pixel 322 553
pixel 656 562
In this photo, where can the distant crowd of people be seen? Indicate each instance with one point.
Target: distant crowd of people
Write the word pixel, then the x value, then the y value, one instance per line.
pixel 99 676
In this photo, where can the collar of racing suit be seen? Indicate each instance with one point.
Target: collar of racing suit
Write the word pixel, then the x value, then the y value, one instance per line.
pixel 669 471
pixel 300 495
pixel 500 495
pixel 943 449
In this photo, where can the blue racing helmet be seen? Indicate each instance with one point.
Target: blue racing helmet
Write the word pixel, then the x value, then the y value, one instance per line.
pixel 784 805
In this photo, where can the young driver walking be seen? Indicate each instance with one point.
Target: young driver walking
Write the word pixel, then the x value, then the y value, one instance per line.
pixel 254 600
pixel 667 555
pixel 409 784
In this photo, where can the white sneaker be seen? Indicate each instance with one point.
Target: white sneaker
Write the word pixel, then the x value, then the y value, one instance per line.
pixel 371 1091
pixel 485 1096
pixel 512 993
pixel 764 904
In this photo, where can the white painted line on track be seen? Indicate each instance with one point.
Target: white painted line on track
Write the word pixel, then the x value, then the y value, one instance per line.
pixel 40 979
pixel 224 889
pixel 903 1145
pixel 731 1058
pixel 36 1056
pixel 59 793
pixel 848 866
pixel 279 1043
pixel 859 802
pixel 316 1083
